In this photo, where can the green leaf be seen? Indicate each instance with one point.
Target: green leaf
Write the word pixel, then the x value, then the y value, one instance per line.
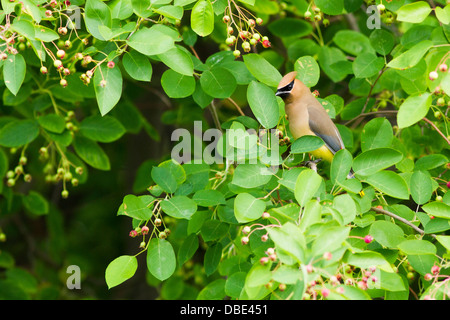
pixel 333 8
pixel 306 144
pixel 214 290
pixel 23 27
pixel 202 18
pixel 308 70
pixel 161 261
pixel 97 14
pixel 137 66
pixel 374 160
pixel 178 60
pixel 175 169
pixel 414 12
pixel 120 270
pixel 389 183
pixel 391 281
pixel 382 41
pixel 430 162
pixel 411 57
pixel 353 42
pixel 91 153
pixel 263 104
pixel 262 70
pixel 151 41
pixel 52 122
pixel 346 207
pixel 212 258
pixel 306 186
pixel 290 239
pixel 35 203
pixel 172 12
pixel 176 85
pixel 445 83
pixel 142 8
pixel 251 175
pixel 421 187
pixel 329 56
pixel 14 70
pixel 417 247
pixel 444 240
pixel 377 133
pixel 45 34
pixel 290 27
pixel 367 65
pixel 164 178
pixel 108 87
pixel 187 248
pixel 443 14
pixel 413 109
pixel 235 284
pixel 247 208
pixel 180 207
pixel 329 240
pixel 135 208
pixel 18 133
pixel 102 129
pixel 341 165
pixel 437 209
pixel 386 233
pixel 208 198
pixel 218 82
pixel 365 259
pixel 213 230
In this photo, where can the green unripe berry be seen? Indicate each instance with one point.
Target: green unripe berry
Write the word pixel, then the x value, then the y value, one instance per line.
pixel 10 174
pixel 65 194
pixel 10 182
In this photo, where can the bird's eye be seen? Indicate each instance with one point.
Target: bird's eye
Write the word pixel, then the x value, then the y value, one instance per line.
pixel 288 87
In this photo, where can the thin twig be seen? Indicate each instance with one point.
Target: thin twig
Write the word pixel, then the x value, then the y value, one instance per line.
pixel 237 106
pixel 215 115
pixel 437 129
pixel 393 215
pixel 371 89
pixel 369 114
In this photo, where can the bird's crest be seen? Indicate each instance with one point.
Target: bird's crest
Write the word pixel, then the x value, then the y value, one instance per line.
pixel 287 79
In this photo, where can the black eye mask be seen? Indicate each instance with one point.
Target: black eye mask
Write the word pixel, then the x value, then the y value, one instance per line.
pixel 285 91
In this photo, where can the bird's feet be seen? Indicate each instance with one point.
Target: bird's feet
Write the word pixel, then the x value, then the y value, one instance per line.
pixel 312 164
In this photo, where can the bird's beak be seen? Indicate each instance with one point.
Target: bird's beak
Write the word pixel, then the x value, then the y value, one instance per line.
pixel 282 94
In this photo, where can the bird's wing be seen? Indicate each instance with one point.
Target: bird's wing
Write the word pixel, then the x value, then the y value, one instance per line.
pixel 322 126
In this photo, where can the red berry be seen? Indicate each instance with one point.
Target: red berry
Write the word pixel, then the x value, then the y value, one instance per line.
pixel 327 255
pixel 443 67
pixel 368 239
pixel 111 64
pixel 428 276
pixel 266 43
pixel 144 230
pixel 244 240
pixel 264 260
pixel 325 292
pixel 435 270
pixel 448 184
pixel 133 233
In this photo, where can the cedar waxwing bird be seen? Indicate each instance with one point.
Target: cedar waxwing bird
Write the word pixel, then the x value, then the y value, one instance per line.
pixel 308 117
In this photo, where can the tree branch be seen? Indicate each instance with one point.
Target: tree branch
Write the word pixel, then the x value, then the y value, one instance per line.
pixel 393 215
pixel 437 129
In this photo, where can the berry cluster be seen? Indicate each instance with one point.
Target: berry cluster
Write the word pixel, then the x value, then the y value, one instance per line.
pixel 157 222
pixel 246 30
pixel 316 15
